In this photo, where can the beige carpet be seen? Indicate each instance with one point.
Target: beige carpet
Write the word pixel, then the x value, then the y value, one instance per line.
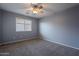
pixel 37 47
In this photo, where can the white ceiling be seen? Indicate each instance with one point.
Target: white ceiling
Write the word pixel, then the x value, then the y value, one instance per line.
pixel 20 8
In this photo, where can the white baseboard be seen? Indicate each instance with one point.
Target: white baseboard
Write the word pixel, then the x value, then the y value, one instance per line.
pixel 17 41
pixel 63 44
pixel 37 38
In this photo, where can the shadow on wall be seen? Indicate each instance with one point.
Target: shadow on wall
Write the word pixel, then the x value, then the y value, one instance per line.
pixel 9 27
pixel 61 27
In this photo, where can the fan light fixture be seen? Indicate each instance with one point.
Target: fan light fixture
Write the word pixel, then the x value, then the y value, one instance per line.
pixel 37 9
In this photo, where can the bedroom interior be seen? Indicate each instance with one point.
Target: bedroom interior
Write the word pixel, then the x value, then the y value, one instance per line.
pixel 39 29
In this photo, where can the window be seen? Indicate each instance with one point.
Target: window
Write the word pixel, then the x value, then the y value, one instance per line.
pixel 23 24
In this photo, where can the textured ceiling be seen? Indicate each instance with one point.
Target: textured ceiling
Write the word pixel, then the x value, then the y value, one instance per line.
pixel 20 8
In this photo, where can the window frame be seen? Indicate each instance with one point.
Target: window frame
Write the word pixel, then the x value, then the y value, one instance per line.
pixel 24 24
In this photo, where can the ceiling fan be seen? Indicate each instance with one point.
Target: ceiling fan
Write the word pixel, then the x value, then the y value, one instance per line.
pixel 37 8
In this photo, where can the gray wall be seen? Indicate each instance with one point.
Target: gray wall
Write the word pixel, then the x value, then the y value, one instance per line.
pixel 9 27
pixel 62 27
pixel 0 25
